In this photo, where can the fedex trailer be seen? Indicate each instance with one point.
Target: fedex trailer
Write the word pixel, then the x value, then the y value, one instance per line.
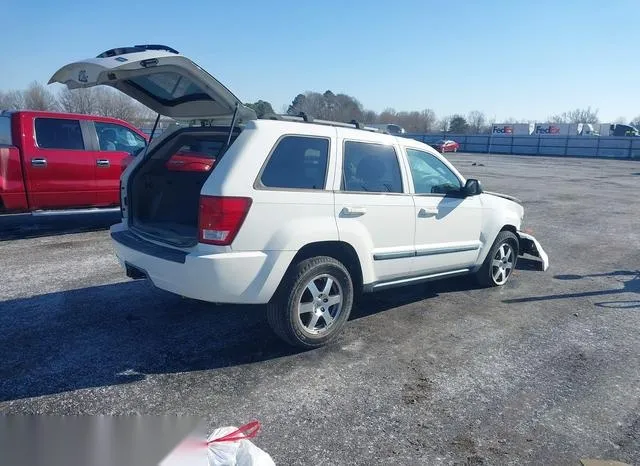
pixel 555 129
pixel 511 129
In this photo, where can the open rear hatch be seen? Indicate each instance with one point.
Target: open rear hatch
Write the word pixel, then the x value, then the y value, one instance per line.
pixel 158 77
pixel 163 190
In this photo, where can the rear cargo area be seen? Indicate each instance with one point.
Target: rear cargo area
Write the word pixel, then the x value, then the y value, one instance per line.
pixel 164 191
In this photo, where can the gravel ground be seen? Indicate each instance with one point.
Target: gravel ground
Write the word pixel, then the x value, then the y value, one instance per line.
pixel 543 371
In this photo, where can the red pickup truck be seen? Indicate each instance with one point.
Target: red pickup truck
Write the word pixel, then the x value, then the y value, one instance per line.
pixel 58 161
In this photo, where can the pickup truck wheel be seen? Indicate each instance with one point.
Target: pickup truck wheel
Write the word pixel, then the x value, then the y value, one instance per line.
pixel 500 262
pixel 313 303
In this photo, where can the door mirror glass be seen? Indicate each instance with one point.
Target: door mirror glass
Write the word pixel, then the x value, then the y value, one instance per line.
pixel 472 187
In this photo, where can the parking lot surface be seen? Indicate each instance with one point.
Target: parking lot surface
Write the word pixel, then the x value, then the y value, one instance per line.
pixel 544 371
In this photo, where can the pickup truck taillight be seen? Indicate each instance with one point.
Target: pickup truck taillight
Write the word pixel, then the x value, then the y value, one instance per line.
pixel 125 163
pixel 220 218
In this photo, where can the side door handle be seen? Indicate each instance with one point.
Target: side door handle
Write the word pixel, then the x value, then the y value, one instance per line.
pixel 427 212
pixel 39 162
pixel 102 163
pixel 353 211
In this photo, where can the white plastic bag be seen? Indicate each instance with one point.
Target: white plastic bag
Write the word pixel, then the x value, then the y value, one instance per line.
pixel 230 446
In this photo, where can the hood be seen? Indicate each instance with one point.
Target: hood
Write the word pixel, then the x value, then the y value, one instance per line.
pixel 158 77
pixel 504 196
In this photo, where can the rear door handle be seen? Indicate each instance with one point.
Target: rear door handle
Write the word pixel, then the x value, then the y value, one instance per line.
pixel 102 163
pixel 353 211
pixel 39 162
pixel 427 212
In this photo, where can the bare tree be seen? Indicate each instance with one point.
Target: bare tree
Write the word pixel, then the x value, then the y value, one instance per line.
pixel 115 104
pixel 388 115
pixel 476 120
pixel 635 122
pixel 369 116
pixel 489 126
pixel 429 119
pixel 38 97
pixel 12 100
pixel 577 116
pixel 78 101
pixel 620 121
pixel 444 123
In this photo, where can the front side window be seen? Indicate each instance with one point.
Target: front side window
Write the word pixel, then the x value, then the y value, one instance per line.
pixel 430 175
pixel 58 133
pixel 370 168
pixel 112 137
pixel 297 162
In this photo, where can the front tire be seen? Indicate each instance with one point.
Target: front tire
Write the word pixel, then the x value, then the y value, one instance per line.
pixel 313 303
pixel 499 264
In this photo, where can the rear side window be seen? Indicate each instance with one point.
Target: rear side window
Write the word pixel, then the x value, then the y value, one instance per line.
pixel 5 130
pixel 370 168
pixel 58 133
pixel 112 137
pixel 297 162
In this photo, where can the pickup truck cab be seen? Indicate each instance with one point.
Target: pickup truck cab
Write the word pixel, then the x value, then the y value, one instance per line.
pixel 291 212
pixel 58 161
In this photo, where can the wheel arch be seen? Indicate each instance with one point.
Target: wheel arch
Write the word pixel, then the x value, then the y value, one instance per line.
pixel 340 251
pixel 489 243
pixel 513 229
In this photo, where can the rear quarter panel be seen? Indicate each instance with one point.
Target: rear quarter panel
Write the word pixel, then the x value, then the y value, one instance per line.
pixel 279 219
pixel 12 192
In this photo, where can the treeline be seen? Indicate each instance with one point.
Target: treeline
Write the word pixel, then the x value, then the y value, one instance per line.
pixel 92 101
pixel 325 106
pixel 342 107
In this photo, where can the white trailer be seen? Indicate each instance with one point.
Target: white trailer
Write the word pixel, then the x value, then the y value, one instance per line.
pixel 555 129
pixel 512 129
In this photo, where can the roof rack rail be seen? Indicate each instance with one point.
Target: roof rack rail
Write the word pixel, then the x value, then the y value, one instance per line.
pixel 305 118
pixel 136 48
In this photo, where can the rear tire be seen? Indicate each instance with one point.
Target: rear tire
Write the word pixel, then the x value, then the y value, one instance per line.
pixel 313 303
pixel 499 264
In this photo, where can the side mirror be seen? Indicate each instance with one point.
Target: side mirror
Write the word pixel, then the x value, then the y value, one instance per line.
pixel 472 187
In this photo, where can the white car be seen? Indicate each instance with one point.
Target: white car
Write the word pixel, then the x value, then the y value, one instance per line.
pixel 297 214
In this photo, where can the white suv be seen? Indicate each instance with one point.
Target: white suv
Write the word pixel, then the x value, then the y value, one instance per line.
pixel 297 214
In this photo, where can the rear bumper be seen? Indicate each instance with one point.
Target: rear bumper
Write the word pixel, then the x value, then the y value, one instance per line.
pixel 230 277
pixel 530 245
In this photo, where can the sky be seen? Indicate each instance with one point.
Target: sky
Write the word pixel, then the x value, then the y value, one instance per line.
pixel 509 59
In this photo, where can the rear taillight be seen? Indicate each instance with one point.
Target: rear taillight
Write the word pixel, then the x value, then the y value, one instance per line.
pixel 120 198
pixel 220 218
pixel 125 163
